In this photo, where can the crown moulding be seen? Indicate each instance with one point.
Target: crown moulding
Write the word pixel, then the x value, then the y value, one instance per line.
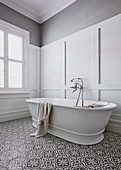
pixel 34 14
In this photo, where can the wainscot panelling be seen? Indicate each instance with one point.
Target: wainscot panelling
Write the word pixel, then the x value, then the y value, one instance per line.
pixel 110 53
pixel 13 104
pixel 112 96
pixel 52 65
pixel 93 54
pixel 109 68
pixel 79 60
pixel 53 93
pixel 34 71
pixel 87 94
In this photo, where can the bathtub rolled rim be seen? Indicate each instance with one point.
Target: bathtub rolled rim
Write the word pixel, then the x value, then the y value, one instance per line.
pixel 109 106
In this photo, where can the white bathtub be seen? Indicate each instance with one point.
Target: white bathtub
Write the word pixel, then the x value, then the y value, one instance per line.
pixel 81 125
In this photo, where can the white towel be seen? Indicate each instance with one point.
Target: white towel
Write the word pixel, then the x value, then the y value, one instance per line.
pixel 44 110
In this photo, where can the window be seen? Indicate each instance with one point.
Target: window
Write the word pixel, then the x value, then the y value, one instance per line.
pixel 15 61
pixel 13 53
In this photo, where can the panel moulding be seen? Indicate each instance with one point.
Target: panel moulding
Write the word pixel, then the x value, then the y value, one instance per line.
pixel 114 125
pixel 14 115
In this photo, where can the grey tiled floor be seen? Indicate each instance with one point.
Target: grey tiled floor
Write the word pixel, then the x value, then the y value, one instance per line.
pixel 19 151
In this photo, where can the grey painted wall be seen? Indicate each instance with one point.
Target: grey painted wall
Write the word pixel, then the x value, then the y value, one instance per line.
pixel 9 15
pixel 81 14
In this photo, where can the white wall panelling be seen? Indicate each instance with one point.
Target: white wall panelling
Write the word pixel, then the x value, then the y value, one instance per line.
pixel 93 54
pixel 112 96
pixel 109 77
pixel 79 58
pixel 34 71
pixel 13 105
pixel 110 53
pixel 53 93
pixel 65 59
pixel 53 57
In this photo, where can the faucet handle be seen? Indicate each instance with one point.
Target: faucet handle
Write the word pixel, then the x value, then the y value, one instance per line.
pixel 74 90
pixel 76 80
pixel 72 87
pixel 71 80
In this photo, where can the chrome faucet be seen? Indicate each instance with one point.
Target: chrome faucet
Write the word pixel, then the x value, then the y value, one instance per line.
pixel 79 86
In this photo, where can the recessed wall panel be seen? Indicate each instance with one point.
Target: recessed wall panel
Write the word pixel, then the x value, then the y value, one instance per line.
pixel 79 57
pixel 87 94
pixel 113 96
pixel 71 95
pixel 53 65
pixel 53 93
pixel 110 53
pixel 12 102
pixel 32 71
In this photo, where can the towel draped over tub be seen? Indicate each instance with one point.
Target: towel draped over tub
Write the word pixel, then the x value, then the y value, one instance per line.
pixel 44 110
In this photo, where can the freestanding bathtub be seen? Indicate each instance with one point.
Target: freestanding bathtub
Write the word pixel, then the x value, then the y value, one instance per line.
pixel 81 125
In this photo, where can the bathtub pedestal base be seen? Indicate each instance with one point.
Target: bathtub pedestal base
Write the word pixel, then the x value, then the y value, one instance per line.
pixel 34 123
pixel 78 138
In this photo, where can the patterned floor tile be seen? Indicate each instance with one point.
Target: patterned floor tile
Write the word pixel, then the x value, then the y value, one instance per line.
pixel 19 151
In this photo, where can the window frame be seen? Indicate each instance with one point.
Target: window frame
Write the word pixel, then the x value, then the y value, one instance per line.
pixel 14 30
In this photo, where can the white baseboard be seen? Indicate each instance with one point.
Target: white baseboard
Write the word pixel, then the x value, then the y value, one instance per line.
pixel 114 126
pixel 14 115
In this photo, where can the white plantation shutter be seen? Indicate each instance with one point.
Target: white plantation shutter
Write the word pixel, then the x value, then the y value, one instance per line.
pixel 14 47
pixel 14 75
pixel 1 43
pixel 1 59
pixel 15 63
pixel 1 73
pixel 14 43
